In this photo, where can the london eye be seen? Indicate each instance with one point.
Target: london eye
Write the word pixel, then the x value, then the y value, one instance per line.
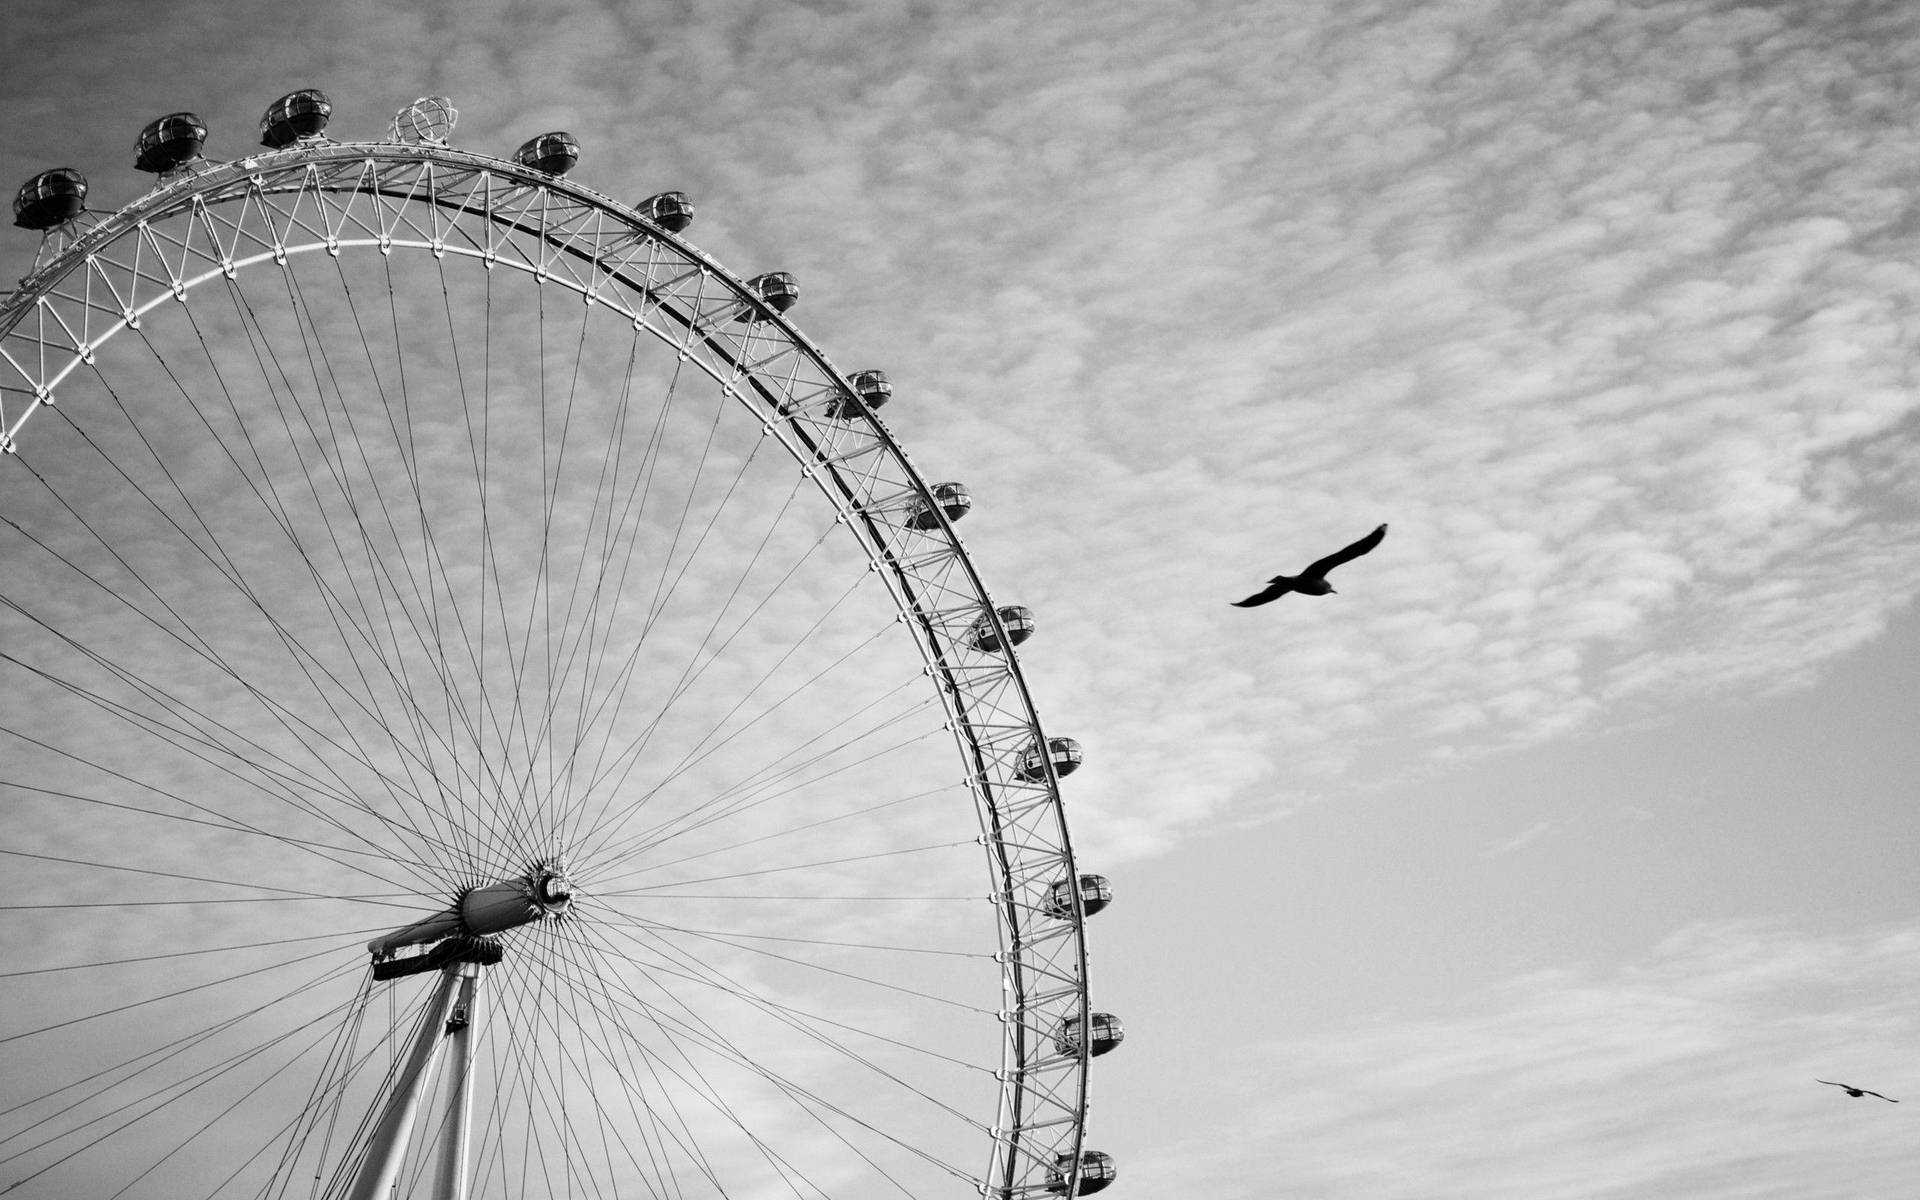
pixel 492 710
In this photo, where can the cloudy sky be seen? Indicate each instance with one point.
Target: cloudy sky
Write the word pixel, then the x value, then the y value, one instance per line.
pixel 1562 849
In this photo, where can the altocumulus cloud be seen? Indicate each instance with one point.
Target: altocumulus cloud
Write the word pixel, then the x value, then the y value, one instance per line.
pixel 1603 306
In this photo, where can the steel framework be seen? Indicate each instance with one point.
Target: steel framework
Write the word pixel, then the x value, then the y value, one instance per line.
pixel 210 220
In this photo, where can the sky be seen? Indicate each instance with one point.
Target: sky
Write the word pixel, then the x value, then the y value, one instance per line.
pixel 1566 845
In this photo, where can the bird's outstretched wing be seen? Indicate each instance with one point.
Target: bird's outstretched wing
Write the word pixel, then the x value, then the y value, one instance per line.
pixel 1280 586
pixel 1857 1091
pixel 1349 554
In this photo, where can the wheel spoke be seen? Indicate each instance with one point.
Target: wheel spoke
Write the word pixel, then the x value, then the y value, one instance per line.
pixel 407 544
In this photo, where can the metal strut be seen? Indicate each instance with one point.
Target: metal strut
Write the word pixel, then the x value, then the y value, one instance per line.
pixel 458 946
pixel 454 994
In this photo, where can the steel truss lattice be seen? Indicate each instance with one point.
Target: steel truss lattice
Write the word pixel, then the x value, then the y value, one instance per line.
pixel 322 197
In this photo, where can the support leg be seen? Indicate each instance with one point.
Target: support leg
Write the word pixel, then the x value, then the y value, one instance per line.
pixel 389 1142
pixel 456 1129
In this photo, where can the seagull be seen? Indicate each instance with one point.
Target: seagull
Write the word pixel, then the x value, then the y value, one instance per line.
pixel 1313 580
pixel 1855 1092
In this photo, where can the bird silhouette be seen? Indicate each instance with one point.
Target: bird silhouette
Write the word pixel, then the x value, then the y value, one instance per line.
pixel 1313 580
pixel 1855 1092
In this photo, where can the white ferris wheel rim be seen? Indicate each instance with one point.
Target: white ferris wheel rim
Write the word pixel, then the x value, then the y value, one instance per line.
pixel 414 198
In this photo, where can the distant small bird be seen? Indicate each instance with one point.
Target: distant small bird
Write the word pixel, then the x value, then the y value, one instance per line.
pixel 1313 580
pixel 1855 1092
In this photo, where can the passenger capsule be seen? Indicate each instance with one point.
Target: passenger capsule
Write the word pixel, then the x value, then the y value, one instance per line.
pixel 427 121
pixel 1095 1172
pixel 952 499
pixel 868 390
pixel 1107 1033
pixel 671 211
pixel 776 289
pixel 294 116
pixel 50 199
pixel 554 153
pixel 1064 751
pixel 170 141
pixel 1095 894
pixel 1016 620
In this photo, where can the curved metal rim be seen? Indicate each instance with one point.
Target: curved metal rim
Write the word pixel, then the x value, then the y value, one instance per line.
pixel 1035 1100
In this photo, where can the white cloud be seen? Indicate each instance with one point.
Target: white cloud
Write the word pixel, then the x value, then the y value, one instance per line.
pixel 1690 1073
pixel 1521 840
pixel 1604 307
pixel 1600 306
pixel 1582 302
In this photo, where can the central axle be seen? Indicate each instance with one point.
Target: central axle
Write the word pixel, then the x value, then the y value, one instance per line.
pixel 460 944
pixel 543 893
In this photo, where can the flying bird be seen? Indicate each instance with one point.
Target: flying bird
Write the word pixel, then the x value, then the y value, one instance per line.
pixel 1855 1092
pixel 1313 580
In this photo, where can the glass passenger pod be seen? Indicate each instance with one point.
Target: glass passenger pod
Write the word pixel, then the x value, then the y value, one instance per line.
pixel 1064 751
pixel 554 153
pixel 1096 1171
pixel 296 115
pixel 171 141
pixel 1107 1032
pixel 1015 619
pixel 427 121
pixel 1095 894
pixel 671 211
pixel 776 289
pixel 50 199
pixel 952 499
pixel 865 392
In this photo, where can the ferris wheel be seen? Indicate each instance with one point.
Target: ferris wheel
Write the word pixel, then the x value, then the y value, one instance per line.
pixel 481 697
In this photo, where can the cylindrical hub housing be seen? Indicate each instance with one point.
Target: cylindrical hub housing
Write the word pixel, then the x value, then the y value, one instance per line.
pixel 499 907
pixel 494 908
